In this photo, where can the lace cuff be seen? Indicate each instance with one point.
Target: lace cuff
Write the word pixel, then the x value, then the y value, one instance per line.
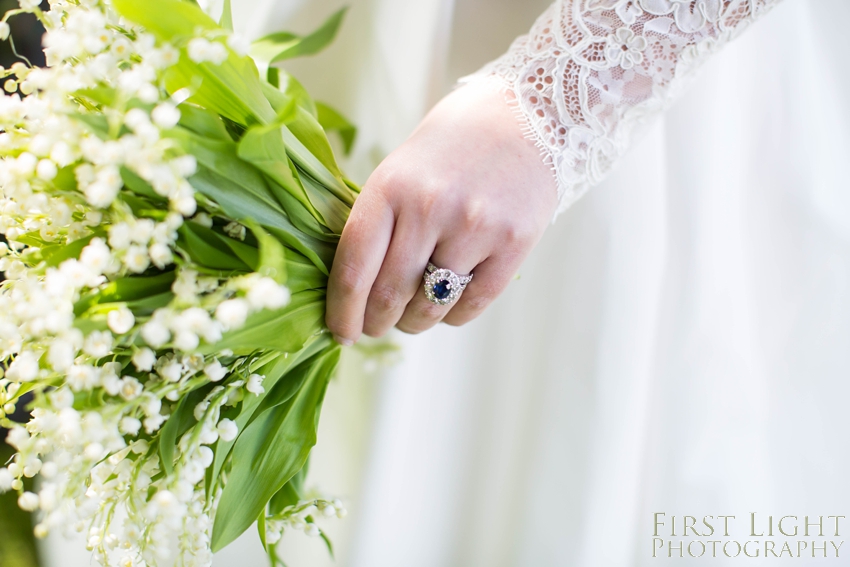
pixel 591 70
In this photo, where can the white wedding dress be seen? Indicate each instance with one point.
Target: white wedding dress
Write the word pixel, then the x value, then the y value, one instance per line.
pixel 678 341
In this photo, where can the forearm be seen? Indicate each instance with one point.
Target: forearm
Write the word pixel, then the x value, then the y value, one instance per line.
pixel 591 70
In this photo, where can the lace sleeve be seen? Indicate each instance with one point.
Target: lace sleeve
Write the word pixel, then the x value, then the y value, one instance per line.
pixel 591 70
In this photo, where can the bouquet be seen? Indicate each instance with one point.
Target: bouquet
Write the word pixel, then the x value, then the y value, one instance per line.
pixel 170 217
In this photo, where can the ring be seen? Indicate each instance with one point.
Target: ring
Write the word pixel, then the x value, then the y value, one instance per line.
pixel 443 286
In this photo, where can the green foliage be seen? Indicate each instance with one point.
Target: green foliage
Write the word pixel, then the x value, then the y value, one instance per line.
pixel 265 161
pixel 332 121
pixel 273 448
pixel 17 544
pixel 280 46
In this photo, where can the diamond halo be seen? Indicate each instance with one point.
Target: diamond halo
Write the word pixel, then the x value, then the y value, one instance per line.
pixel 443 286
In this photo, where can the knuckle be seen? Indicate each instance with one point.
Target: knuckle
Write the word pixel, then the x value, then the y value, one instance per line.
pixel 481 298
pixel 428 312
pixel 475 218
pixel 516 235
pixel 385 298
pixel 373 330
pixel 428 202
pixel 349 280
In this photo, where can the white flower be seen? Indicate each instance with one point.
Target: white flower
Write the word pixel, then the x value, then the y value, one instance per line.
pixel 153 423
pixel 100 194
pixel 202 50
pixel 144 359
pixel 166 116
pixel 185 166
pixel 200 410
pixel 266 293
pixel 24 368
pixel 171 371
pixel 28 501
pixel 61 154
pixel 160 255
pixel 141 231
pixel 255 384
pixel 119 236
pixel 215 371
pixel 238 43
pixel 61 354
pixel 111 383
pixel 186 341
pixel 625 48
pixel 94 451
pixel 227 430
pixel 96 256
pixel 98 344
pixel 136 259
pixel 130 426
pixel 120 320
pixel 155 333
pixel 82 377
pixel 130 388
pixel 6 479
pixel 61 398
pixel 4 31
pixel 203 219
pixel 232 313
pixel 46 170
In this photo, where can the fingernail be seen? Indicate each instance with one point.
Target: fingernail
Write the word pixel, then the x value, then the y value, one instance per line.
pixel 343 341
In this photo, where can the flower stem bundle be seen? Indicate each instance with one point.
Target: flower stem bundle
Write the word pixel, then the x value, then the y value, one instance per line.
pixel 170 219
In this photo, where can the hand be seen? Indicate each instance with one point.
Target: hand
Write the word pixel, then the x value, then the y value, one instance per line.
pixel 466 191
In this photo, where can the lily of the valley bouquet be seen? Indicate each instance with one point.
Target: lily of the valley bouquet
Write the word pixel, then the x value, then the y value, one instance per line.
pixel 170 216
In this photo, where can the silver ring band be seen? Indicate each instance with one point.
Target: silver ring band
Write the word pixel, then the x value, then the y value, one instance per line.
pixel 443 286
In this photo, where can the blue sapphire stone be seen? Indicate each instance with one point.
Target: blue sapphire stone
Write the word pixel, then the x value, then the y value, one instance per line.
pixel 442 289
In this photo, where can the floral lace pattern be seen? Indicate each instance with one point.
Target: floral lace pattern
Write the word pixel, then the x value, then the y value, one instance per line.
pixel 591 70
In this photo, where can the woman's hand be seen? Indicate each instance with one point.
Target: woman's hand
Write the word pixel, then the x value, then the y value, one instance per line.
pixel 466 191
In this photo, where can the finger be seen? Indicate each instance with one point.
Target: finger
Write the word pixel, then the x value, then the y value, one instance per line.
pixel 358 259
pixel 400 276
pixel 492 276
pixel 420 314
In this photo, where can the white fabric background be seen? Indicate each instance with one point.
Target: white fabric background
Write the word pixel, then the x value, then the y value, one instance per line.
pixel 677 343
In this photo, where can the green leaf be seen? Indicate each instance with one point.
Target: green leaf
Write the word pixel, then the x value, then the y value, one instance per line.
pixel 127 289
pixel 231 89
pixel 245 252
pixel 308 146
pixel 332 121
pixel 203 122
pixel 139 186
pixel 280 46
pixel 261 528
pixel 295 90
pixel 272 255
pixel 283 330
pixel 55 254
pixel 262 147
pixel 273 77
pixel 291 493
pixel 177 424
pixel 227 16
pixel 275 372
pixel 270 452
pixel 206 249
pixel 239 203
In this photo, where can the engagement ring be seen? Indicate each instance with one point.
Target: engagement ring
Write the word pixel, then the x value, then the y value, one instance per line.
pixel 443 286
